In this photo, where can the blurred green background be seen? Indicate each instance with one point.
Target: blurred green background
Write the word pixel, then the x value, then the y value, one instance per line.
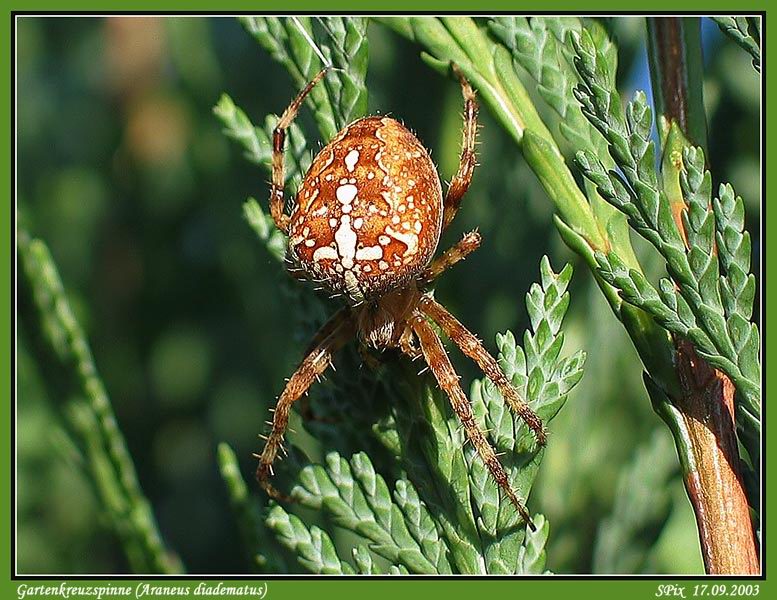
pixel 124 172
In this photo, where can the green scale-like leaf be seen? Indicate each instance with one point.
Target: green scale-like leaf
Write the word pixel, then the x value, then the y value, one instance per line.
pixel 359 500
pixel 745 31
pixel 544 380
pixel 700 307
pixel 313 547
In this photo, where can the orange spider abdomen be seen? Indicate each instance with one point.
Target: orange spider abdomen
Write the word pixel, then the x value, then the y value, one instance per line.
pixel 368 214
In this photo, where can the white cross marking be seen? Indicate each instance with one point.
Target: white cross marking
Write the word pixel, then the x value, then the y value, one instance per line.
pixel 345 238
pixel 351 159
pixel 369 253
pixel 346 193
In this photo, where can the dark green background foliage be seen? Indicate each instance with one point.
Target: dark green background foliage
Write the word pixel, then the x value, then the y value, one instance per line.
pixel 124 171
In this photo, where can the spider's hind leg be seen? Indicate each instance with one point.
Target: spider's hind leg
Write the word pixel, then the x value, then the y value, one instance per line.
pixel 472 347
pixel 316 361
pixel 440 365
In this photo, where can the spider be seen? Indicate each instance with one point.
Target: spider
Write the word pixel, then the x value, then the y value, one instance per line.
pixel 366 223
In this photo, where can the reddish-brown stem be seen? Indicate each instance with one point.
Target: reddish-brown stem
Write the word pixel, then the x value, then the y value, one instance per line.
pixel 677 74
pixel 714 482
pixel 712 476
pixel 669 48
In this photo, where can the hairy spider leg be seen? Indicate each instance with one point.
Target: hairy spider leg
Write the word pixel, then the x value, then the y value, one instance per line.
pixel 467 160
pixel 458 252
pixel 331 325
pixel 277 201
pixel 440 365
pixel 472 347
pixel 312 366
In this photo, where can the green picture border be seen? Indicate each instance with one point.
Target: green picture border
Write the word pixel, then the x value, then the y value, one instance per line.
pixel 408 587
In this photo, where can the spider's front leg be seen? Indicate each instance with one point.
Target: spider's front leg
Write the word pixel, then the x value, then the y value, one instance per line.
pixel 467 161
pixel 472 347
pixel 440 365
pixel 313 365
pixel 277 201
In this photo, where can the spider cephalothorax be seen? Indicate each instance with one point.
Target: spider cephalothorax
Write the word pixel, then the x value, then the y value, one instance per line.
pixel 366 224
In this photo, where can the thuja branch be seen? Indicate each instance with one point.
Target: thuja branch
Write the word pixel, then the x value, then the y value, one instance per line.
pixel 746 32
pixel 708 321
pixel 341 41
pixel 728 541
pixel 653 205
pixel 70 376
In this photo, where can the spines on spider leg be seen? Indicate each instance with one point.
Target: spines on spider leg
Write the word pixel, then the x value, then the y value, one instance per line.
pixel 313 365
pixel 472 347
pixel 467 160
pixel 456 253
pixel 440 365
pixel 277 200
